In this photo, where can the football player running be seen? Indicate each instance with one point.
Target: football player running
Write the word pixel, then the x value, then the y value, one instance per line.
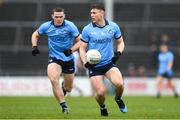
pixel 99 35
pixel 61 35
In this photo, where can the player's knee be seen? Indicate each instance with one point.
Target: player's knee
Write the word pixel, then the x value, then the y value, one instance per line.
pixel 68 88
pixel 119 85
pixel 100 92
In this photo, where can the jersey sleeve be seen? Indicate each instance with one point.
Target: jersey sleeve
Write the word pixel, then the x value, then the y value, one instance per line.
pixel 117 33
pixel 42 29
pixel 74 30
pixel 171 57
pixel 84 35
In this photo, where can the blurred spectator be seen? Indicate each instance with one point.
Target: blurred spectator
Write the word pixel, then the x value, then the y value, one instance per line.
pixel 165 40
pixel 142 71
pixel 154 49
pixel 131 70
pixel 154 43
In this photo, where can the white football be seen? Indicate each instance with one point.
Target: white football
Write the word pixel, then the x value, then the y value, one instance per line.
pixel 93 56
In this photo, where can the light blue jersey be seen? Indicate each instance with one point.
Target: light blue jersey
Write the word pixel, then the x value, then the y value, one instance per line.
pixel 59 38
pixel 164 59
pixel 101 39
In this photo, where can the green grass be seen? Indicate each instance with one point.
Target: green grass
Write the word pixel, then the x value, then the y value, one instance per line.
pixel 87 108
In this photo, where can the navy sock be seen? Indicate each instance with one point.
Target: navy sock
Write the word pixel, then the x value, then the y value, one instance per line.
pixel 158 94
pixel 63 105
pixel 119 102
pixel 103 106
pixel 117 98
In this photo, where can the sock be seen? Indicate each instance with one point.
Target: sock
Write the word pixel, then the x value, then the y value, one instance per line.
pixel 119 102
pixel 103 106
pixel 63 105
pixel 158 94
pixel 117 98
pixel 175 93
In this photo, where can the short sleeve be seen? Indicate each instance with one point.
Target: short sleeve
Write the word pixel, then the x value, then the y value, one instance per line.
pixel 117 33
pixel 42 29
pixel 74 30
pixel 84 35
pixel 171 57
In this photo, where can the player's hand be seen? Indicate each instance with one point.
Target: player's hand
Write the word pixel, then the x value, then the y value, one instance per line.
pixel 35 50
pixel 67 52
pixel 87 65
pixel 116 56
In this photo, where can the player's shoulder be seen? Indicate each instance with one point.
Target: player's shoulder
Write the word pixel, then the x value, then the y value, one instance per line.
pixel 112 23
pixel 160 54
pixel 170 53
pixel 47 23
pixel 45 26
pixel 88 26
pixel 68 23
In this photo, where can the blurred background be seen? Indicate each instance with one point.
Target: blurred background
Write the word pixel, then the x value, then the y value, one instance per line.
pixel 144 24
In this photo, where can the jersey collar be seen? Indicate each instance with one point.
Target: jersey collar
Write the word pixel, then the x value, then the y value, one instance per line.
pixel 52 22
pixel 106 23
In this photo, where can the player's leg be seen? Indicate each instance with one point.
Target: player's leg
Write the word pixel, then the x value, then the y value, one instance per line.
pixel 97 83
pixel 68 70
pixel 159 80
pixel 115 76
pixel 68 82
pixel 54 71
pixel 172 86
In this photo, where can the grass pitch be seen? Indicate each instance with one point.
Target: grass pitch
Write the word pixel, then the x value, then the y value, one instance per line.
pixel 139 107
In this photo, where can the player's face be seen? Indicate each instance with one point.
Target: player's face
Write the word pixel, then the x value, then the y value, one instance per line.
pixel 97 15
pixel 164 48
pixel 58 17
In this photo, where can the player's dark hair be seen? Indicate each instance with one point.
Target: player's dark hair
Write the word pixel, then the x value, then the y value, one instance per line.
pixel 58 9
pixel 98 6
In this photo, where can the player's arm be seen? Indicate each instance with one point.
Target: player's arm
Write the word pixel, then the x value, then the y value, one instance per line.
pixel 82 51
pixel 120 49
pixel 34 38
pixel 170 65
pixel 170 62
pixel 120 45
pixel 76 46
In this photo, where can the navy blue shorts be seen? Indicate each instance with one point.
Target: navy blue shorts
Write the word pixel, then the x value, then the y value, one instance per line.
pixel 67 66
pixel 100 70
pixel 166 75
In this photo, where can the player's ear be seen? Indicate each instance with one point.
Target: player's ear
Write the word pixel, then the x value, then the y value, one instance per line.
pixel 103 13
pixel 52 16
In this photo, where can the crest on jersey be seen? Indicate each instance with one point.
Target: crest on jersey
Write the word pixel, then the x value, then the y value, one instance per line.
pixel 65 31
pixel 110 31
